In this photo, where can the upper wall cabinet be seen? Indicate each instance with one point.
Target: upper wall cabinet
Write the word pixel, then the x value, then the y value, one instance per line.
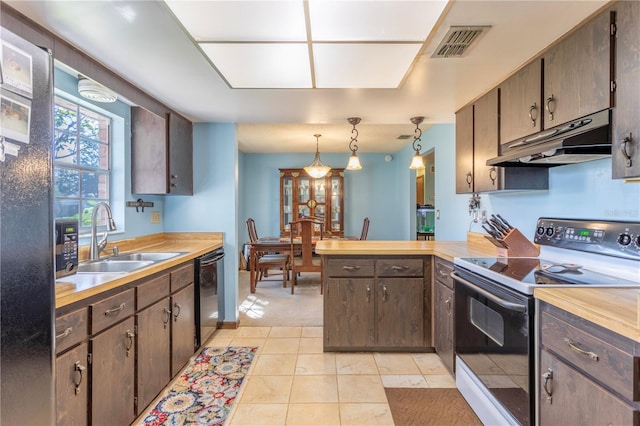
pixel 521 103
pixel 626 115
pixel 485 142
pixel 161 155
pixel 464 150
pixel 577 76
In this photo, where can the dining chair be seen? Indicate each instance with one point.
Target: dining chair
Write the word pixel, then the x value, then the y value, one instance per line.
pixel 264 261
pixel 365 229
pixel 302 244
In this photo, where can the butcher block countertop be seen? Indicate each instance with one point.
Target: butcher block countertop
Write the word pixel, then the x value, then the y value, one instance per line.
pixel 80 286
pixel 616 309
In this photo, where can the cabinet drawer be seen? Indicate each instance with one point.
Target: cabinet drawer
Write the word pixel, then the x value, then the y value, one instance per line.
pixel 399 267
pixel 601 360
pixel 181 277
pixel 350 267
pixel 71 328
pixel 111 310
pixel 443 272
pixel 152 291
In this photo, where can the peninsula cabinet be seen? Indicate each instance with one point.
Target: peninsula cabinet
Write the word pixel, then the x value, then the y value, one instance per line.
pixel 626 125
pixel 443 312
pixel 588 375
pixel 377 303
pixel 577 75
pixel 322 198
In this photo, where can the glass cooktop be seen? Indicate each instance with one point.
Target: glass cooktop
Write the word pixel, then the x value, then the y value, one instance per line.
pixel 536 271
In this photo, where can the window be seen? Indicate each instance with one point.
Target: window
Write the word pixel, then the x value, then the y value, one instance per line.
pixel 81 161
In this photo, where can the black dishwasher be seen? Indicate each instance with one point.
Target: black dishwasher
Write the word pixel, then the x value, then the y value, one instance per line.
pixel 209 276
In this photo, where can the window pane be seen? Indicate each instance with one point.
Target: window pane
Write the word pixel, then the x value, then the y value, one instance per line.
pixel 65 115
pixel 94 154
pixel 93 125
pixel 87 211
pixel 65 148
pixel 66 183
pixel 95 185
pixel 68 209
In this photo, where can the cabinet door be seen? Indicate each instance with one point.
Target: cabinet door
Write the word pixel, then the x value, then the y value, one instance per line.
pixel 153 349
pixel 577 73
pixel 180 156
pixel 337 195
pixel 521 103
pixel 400 312
pixel 576 400
pixel 112 375
pixel 464 150
pixel 485 142
pixel 72 390
pixel 286 203
pixel 183 331
pixel 626 125
pixel 349 312
pixel 148 152
pixel 443 317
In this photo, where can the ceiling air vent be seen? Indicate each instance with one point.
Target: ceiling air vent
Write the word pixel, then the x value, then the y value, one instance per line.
pixel 403 137
pixel 457 41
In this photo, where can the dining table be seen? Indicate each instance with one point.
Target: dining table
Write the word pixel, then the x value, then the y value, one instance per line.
pixel 277 245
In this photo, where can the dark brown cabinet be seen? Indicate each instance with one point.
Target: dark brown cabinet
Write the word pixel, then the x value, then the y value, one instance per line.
pixel 72 388
pixel 443 312
pixel 376 304
pixel 577 77
pixel 626 122
pixel 588 375
pixel 521 103
pixel 485 142
pixel 161 154
pixel 182 328
pixel 464 150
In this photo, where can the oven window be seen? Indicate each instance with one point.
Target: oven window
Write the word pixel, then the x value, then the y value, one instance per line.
pixel 488 321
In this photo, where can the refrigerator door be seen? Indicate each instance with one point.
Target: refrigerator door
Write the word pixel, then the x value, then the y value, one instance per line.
pixel 27 289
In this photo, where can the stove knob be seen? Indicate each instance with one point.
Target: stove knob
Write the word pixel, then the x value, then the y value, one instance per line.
pixel 549 231
pixel 638 241
pixel 540 231
pixel 624 239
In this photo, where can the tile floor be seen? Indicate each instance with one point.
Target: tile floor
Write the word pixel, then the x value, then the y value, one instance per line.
pixel 293 382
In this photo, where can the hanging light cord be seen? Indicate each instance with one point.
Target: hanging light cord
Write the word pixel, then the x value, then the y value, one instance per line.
pixel 416 139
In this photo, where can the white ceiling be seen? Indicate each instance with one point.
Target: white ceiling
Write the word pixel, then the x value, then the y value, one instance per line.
pixel 145 43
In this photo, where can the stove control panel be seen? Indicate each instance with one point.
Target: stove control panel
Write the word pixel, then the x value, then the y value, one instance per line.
pixel 614 238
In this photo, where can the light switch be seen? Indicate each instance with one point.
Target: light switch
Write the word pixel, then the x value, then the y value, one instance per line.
pixel 155 217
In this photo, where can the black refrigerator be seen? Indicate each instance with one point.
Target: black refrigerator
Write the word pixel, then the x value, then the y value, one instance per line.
pixel 27 276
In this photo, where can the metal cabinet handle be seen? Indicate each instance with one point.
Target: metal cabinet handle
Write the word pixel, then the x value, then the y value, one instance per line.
pixel 385 293
pixel 623 147
pixel 167 317
pixel 581 351
pixel 129 336
pixel 114 310
pixel 177 314
pixel 469 179
pixel 174 176
pixel 548 384
pixel 77 367
pixel 448 303
pixel 65 333
pixel 493 175
pixel 399 268
pixel 368 297
pixel 551 106
pixel 350 268
pixel 533 108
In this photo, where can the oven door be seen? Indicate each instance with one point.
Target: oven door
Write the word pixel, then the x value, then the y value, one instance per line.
pixel 494 338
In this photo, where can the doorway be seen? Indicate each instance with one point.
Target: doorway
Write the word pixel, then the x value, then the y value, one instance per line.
pixel 426 198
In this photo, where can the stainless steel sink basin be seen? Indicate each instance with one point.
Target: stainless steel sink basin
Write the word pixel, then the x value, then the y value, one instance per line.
pixel 151 256
pixel 109 265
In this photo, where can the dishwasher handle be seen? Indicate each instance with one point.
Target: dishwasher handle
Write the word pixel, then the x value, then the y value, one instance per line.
pixel 498 300
pixel 210 258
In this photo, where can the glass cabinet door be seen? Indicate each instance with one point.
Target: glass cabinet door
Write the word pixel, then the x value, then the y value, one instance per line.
pixel 336 204
pixel 287 201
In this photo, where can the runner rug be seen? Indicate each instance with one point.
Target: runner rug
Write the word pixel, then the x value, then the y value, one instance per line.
pixel 205 391
pixel 429 406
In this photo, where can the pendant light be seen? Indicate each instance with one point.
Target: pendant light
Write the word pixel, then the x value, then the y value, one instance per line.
pixel 354 161
pixel 417 162
pixel 317 169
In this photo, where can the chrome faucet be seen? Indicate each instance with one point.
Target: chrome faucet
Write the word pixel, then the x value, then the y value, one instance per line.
pixel 97 247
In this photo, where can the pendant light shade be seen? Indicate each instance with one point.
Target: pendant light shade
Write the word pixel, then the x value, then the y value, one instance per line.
pixel 317 169
pixel 417 162
pixel 354 161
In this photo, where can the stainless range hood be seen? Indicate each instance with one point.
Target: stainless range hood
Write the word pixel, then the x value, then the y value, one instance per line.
pixel 585 139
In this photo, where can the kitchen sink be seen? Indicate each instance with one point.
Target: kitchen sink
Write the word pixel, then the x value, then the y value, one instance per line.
pixel 108 265
pixel 151 256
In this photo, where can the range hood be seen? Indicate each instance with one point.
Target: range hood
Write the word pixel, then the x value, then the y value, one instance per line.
pixel 585 139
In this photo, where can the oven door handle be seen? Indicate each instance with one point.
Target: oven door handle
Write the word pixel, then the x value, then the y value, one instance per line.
pixel 504 303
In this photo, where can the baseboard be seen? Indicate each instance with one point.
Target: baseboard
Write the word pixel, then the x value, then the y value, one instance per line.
pixel 227 325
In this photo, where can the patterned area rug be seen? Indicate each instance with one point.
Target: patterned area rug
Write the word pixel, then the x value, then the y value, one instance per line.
pixel 205 391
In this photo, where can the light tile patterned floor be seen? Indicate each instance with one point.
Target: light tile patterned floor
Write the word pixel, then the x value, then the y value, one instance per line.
pixel 293 382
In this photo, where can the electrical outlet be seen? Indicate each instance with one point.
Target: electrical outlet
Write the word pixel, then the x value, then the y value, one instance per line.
pixel 155 217
pixel 484 216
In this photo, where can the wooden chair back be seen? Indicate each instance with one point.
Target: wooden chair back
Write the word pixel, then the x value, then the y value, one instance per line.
pixel 302 248
pixel 365 229
pixel 251 227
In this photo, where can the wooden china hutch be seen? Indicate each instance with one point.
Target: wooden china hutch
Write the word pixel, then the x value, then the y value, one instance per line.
pixel 322 198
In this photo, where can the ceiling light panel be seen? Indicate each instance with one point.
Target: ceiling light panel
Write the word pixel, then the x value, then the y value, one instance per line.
pixel 362 65
pixel 348 20
pixel 242 20
pixel 248 65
